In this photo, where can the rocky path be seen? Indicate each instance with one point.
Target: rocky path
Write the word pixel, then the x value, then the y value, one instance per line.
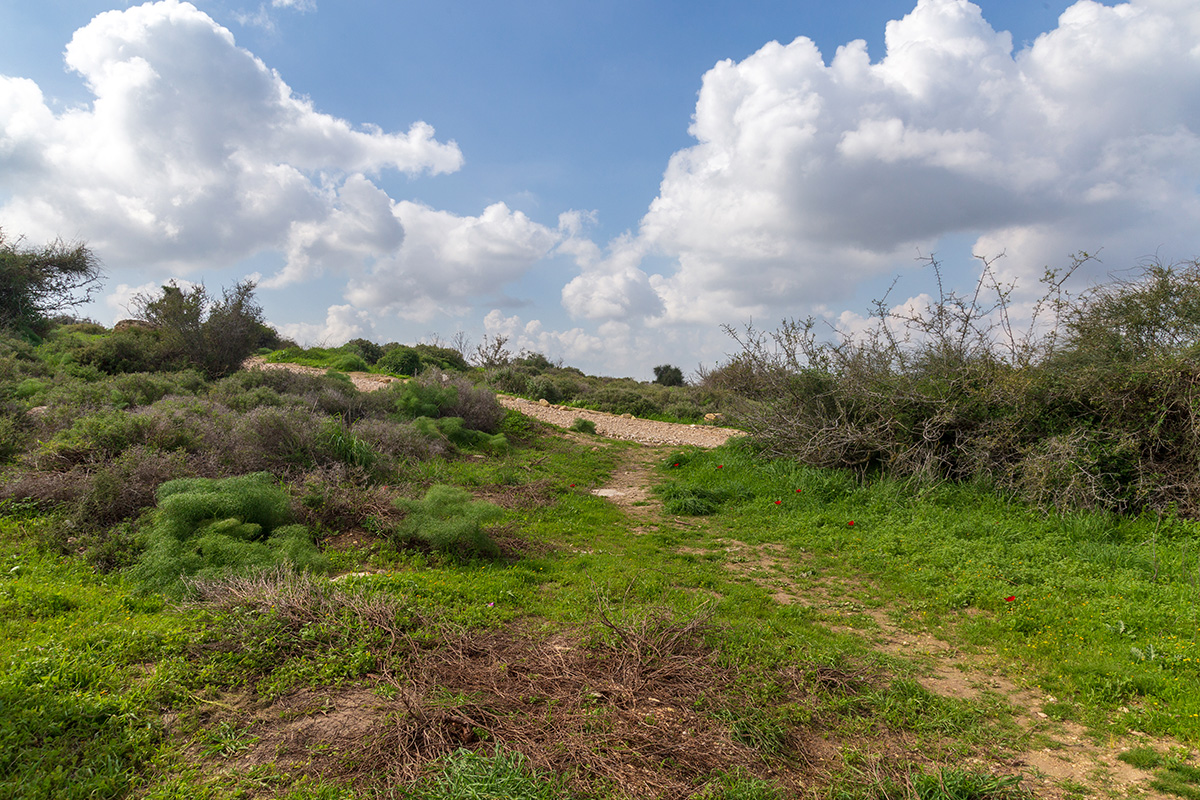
pixel 612 426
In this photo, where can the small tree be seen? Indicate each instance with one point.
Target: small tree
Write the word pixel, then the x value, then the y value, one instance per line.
pixel 37 283
pixel 212 335
pixel 667 375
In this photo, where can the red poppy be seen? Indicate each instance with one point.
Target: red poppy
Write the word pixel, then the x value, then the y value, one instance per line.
pixel 778 502
pixel 1010 598
pixel 676 464
pixel 572 486
pixel 798 491
pixel 720 465
pixel 850 524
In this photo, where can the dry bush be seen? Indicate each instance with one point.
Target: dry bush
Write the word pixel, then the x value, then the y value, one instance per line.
pixel 338 497
pixel 1096 410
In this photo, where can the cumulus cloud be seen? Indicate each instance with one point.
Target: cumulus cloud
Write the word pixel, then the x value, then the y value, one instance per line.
pixel 573 346
pixel 342 323
pixel 194 151
pixel 808 177
pixel 447 259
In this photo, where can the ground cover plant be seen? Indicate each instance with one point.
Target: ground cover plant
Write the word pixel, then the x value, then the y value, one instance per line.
pixel 456 611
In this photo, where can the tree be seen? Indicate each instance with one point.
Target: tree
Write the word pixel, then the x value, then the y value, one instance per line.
pixel 212 335
pixel 667 375
pixel 36 283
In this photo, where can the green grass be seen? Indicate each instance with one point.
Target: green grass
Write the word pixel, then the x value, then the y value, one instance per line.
pixel 1102 615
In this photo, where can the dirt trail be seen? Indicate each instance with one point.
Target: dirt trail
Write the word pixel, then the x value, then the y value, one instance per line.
pixel 1062 762
pixel 1061 758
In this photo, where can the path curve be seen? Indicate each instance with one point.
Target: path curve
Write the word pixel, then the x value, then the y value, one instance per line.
pixel 612 426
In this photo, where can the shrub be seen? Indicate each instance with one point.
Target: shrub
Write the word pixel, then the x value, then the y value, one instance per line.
pixel 351 362
pixel 134 349
pixel 510 381
pixel 213 528
pixel 476 406
pixel 214 335
pixel 365 349
pixel 444 358
pixel 423 399
pixel 400 360
pixel 668 375
pixel 448 520
pixel 543 388
pixel 399 439
pixel 618 400
pixel 581 425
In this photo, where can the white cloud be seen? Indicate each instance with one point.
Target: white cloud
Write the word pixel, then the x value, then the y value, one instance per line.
pixel 446 260
pixel 573 346
pixel 342 323
pixel 808 178
pixel 193 151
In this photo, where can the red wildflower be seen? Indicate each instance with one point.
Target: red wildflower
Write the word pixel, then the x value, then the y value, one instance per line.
pixel 778 502
pixel 1010 598
pixel 850 524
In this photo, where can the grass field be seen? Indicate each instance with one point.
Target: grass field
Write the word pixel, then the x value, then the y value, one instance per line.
pixel 730 643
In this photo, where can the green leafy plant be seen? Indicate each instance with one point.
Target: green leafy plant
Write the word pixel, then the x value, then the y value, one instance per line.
pixel 581 425
pixel 448 520
pixel 213 527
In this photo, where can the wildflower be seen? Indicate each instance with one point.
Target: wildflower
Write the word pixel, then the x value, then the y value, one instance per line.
pixel 491 605
pixel 572 486
pixel 850 524
pixel 720 465
pixel 798 491
pixel 1010 598
pixel 778 502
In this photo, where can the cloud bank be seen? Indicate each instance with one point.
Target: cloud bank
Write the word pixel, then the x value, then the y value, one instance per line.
pixel 194 152
pixel 810 176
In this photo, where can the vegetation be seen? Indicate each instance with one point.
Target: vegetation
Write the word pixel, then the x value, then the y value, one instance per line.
pixel 1095 412
pixel 267 583
pixel 38 283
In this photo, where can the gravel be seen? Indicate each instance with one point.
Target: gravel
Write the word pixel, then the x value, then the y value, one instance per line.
pixel 646 431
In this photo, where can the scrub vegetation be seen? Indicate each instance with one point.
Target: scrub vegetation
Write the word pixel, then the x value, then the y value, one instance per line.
pixel 221 582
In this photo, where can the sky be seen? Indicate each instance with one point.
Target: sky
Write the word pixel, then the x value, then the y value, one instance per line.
pixel 609 184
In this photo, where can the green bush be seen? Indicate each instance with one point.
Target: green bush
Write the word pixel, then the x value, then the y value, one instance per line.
pixel 444 358
pixel 415 399
pixel 400 360
pixel 543 388
pixel 365 349
pixel 448 520
pixel 581 425
pixel 510 381
pixel 210 528
pixel 351 362
pixel 619 400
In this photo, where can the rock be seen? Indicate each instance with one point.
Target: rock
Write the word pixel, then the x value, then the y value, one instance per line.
pixel 37 411
pixel 126 324
pixel 713 417
pixel 544 403
pixel 627 416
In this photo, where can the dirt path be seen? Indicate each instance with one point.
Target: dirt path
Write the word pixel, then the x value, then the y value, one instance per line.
pixel 1062 762
pixel 612 426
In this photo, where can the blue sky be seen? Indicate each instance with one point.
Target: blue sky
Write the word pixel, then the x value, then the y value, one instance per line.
pixel 606 183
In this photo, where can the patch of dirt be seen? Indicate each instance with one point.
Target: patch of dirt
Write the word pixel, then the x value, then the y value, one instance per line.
pixel 613 426
pixel 640 712
pixel 1063 754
